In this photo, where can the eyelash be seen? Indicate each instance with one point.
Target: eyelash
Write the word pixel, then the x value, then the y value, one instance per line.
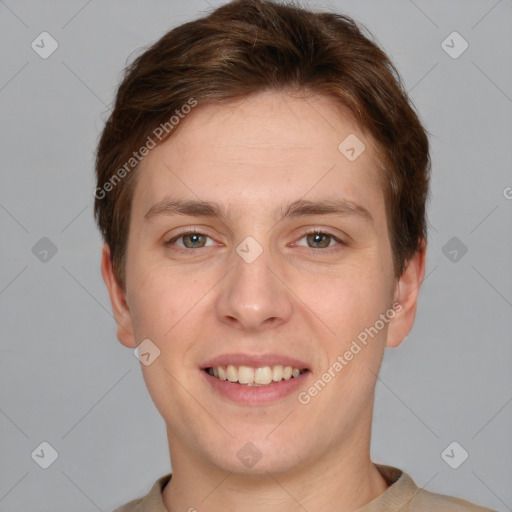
pixel 329 248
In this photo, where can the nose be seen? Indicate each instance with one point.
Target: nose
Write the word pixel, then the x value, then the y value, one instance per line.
pixel 254 296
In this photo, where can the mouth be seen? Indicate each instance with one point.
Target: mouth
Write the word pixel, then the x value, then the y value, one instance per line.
pixel 249 376
pixel 253 380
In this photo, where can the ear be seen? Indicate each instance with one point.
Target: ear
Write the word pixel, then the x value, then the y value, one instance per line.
pixel 406 294
pixel 122 314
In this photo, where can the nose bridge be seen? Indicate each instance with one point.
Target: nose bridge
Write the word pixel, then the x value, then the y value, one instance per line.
pixel 252 294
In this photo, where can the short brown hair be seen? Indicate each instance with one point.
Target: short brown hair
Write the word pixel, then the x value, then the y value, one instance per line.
pixel 246 47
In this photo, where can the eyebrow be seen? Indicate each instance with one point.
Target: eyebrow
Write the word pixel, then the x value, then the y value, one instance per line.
pixel 299 208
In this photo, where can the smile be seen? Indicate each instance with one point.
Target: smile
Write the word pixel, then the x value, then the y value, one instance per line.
pixel 249 376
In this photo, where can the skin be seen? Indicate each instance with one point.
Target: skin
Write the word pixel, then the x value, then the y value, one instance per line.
pixel 298 298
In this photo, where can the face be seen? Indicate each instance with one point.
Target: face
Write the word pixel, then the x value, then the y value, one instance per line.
pixel 255 243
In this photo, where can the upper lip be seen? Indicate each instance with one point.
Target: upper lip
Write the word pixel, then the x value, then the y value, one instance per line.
pixel 254 361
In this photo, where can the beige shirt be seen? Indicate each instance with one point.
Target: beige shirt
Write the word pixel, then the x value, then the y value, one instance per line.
pixel 402 495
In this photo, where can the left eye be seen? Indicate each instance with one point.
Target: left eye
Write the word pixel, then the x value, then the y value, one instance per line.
pixel 320 240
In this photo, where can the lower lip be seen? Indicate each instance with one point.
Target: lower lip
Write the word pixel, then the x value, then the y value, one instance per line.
pixel 255 395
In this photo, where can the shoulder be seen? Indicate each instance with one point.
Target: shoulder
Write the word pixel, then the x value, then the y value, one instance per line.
pixel 133 506
pixel 152 502
pixel 425 500
pixel 405 496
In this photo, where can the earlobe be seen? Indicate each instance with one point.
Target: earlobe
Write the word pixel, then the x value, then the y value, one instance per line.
pixel 407 292
pixel 122 314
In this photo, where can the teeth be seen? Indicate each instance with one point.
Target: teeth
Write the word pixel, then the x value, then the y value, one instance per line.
pixel 277 373
pixel 222 373
pixel 263 375
pixel 232 373
pixel 245 375
pixel 255 376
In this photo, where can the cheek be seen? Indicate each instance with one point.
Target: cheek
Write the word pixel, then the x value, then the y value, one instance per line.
pixel 166 305
pixel 348 300
pixel 152 301
pixel 349 305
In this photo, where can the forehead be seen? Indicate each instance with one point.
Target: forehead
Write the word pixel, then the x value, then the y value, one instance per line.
pixel 261 151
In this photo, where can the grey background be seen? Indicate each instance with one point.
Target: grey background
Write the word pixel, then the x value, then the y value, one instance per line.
pixel 66 380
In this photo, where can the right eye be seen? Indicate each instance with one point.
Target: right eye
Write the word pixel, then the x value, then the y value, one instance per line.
pixel 190 239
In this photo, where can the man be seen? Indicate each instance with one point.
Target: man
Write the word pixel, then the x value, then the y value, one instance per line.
pixel 261 191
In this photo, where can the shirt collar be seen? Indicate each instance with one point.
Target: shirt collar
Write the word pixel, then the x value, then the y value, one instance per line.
pixel 401 490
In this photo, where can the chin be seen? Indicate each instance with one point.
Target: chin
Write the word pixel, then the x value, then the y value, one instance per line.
pixel 258 457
